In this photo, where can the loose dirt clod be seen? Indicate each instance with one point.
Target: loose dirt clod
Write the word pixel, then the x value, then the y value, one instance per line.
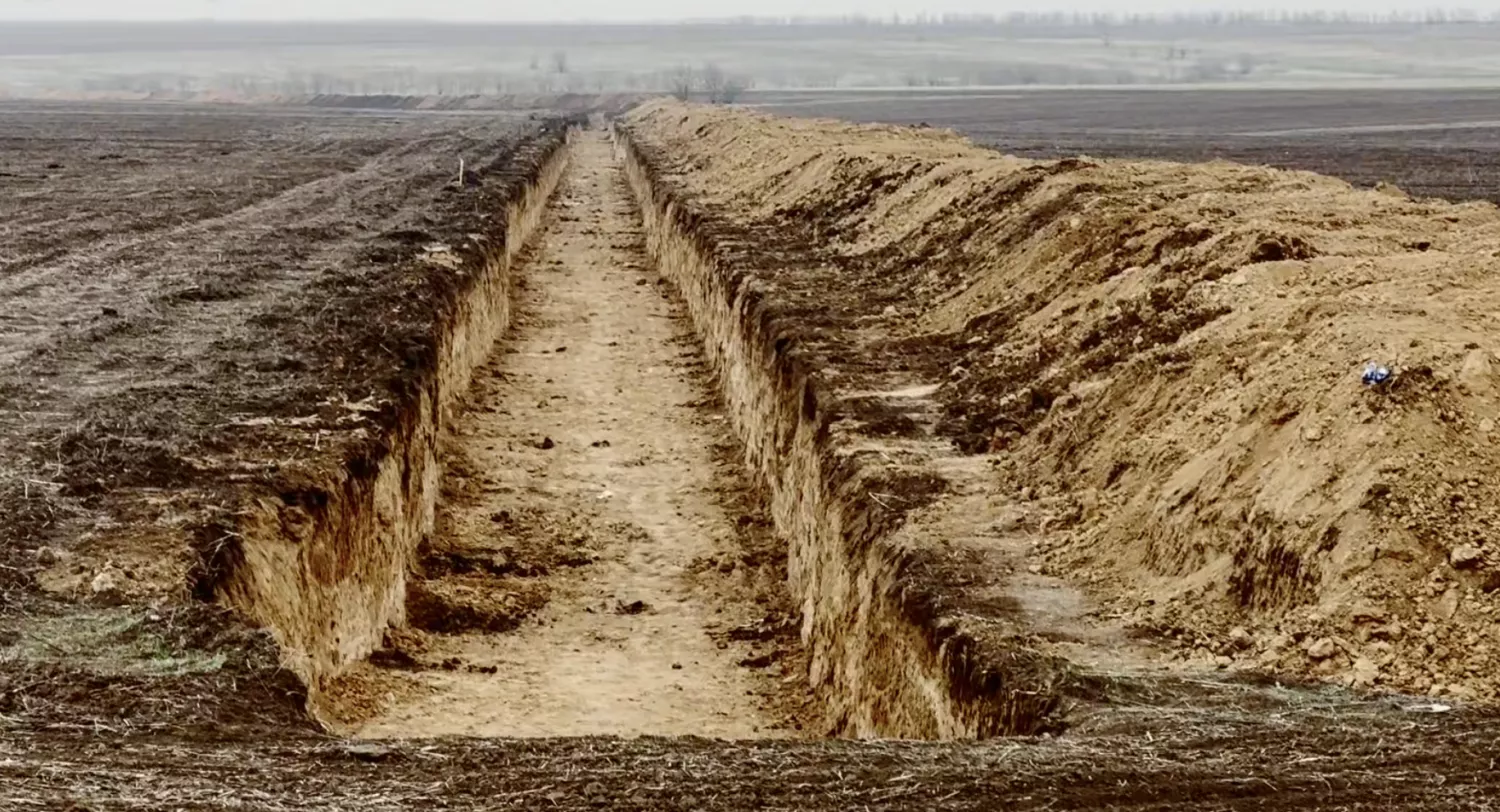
pixel 631 608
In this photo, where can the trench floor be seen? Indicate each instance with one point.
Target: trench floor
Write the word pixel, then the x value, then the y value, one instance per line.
pixel 593 448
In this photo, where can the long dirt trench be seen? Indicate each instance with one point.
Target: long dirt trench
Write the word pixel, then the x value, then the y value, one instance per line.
pixel 589 568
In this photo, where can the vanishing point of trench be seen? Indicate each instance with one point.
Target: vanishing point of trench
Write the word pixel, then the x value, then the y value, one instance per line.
pixel 602 363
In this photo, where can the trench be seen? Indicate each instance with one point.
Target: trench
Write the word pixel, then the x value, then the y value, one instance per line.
pixel 618 511
pixel 588 563
pixel 885 659
pixel 323 567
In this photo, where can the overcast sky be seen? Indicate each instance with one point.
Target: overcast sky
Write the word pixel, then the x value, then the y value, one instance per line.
pixel 618 10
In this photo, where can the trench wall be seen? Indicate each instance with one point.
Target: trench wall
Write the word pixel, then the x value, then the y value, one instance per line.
pixel 325 567
pixel 883 662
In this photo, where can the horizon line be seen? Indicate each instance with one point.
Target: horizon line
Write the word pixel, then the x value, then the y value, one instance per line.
pixel 1436 15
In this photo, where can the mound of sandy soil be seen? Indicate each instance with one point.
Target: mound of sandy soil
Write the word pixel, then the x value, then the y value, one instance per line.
pixel 1166 360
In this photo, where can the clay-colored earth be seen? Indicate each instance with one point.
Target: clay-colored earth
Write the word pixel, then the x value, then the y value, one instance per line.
pixel 1163 364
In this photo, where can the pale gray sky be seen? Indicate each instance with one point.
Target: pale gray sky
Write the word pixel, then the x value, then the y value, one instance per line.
pixel 616 10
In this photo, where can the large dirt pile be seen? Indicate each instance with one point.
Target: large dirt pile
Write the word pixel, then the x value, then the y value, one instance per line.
pixel 1166 362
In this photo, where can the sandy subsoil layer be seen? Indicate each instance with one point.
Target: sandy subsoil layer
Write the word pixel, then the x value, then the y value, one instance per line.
pixel 590 570
pixel 1160 368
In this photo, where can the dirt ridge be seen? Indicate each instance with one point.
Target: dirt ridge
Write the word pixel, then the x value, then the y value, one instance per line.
pixel 1161 365
pixel 889 656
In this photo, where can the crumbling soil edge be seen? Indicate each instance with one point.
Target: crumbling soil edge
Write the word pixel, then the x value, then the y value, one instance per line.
pixel 885 661
pixel 324 564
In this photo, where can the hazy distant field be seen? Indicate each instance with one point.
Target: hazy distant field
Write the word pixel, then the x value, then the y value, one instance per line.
pixel 1442 143
pixel 1300 96
pixel 421 58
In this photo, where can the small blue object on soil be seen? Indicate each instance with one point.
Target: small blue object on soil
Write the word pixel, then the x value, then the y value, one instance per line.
pixel 1376 374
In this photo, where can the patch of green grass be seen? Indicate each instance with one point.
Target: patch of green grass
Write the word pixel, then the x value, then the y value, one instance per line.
pixel 125 641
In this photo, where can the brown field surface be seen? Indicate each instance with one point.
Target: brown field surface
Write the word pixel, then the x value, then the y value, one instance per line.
pixel 1430 142
pixel 707 459
pixel 196 306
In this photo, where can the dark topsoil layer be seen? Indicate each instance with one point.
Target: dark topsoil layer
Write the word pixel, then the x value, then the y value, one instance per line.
pixel 190 300
pixel 1415 139
pixel 1264 758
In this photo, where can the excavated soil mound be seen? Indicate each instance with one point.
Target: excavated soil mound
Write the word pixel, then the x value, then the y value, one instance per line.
pixel 1163 364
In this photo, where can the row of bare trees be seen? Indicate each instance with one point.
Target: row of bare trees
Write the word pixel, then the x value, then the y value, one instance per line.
pixel 709 82
pixel 1435 15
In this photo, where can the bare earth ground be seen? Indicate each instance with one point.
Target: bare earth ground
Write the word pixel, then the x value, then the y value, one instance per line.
pixel 1266 759
pixel 195 301
pixel 1157 368
pixel 1430 142
pixel 1227 743
pixel 587 502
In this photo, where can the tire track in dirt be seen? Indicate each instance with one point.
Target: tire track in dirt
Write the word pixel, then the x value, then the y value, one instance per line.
pixel 586 480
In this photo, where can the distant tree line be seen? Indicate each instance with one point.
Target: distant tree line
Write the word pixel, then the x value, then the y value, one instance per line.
pixel 1431 16
pixel 707 83
pixel 710 83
